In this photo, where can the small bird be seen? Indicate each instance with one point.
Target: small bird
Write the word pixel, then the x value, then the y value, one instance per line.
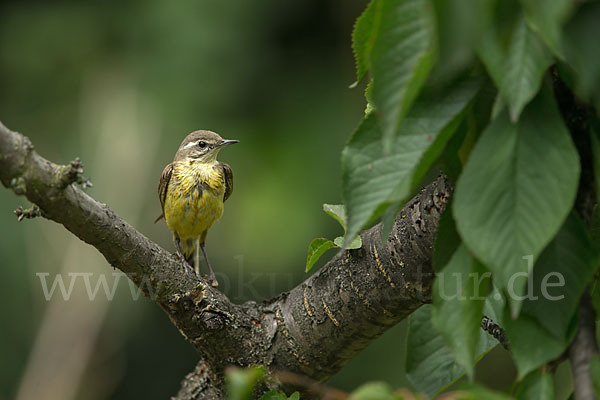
pixel 192 190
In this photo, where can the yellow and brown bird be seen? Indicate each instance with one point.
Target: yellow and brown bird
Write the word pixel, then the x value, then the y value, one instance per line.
pixel 192 190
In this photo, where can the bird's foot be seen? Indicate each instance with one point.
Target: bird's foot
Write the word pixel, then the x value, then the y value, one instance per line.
pixel 213 281
pixel 181 258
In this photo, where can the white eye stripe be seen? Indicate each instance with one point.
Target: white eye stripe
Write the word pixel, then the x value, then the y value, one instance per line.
pixel 190 145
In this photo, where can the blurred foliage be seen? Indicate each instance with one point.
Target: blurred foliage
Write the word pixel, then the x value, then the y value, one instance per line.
pixel 452 84
pixel 240 382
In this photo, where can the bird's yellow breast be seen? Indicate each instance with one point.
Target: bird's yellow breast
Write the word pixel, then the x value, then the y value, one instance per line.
pixel 194 199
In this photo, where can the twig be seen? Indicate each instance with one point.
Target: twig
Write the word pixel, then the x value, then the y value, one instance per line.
pixel 32 212
pixel 583 349
pixel 495 330
pixel 309 385
pixel 73 173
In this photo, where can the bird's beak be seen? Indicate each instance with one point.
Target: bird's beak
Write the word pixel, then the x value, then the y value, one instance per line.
pixel 227 142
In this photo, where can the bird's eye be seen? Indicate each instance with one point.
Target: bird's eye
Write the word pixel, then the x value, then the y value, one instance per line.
pixel 201 144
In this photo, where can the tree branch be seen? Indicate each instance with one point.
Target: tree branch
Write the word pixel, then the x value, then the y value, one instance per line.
pixel 577 118
pixel 583 349
pixel 314 329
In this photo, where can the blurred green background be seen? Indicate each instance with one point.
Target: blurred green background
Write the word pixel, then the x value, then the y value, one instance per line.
pixel 120 84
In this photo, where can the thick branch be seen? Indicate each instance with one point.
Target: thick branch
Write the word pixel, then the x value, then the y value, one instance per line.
pixel 361 293
pixel 314 329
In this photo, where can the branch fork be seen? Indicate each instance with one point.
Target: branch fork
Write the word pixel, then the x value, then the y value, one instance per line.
pixel 73 173
pixel 313 329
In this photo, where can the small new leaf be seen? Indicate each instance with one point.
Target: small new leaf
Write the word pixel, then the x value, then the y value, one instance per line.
pixel 337 212
pixel 316 249
pixel 355 244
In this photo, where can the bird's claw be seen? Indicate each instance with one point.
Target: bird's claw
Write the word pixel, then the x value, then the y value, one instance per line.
pixel 181 258
pixel 213 281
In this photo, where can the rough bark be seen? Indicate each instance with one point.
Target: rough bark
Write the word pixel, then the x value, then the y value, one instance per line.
pixel 202 383
pixel 577 116
pixel 313 329
pixel 582 350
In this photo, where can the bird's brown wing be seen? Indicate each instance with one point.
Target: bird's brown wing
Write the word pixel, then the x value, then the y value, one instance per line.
pixel 228 174
pixel 162 188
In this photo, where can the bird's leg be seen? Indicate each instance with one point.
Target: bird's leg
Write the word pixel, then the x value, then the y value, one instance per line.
pixel 212 278
pixel 196 256
pixel 180 255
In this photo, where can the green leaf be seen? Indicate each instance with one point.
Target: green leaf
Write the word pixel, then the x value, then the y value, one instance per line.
pixel 595 293
pixel 240 382
pixel 457 22
pixel 275 395
pixel 449 161
pixel 316 248
pixel 337 212
pixel 494 305
pixel 371 181
pixel 560 277
pixel 546 19
pixel 355 244
pixel 518 70
pixel 583 52
pixel 595 368
pixel 458 298
pixel 596 152
pixel 363 38
pixel 477 392
pixel 401 58
pixel 515 192
pixel 498 106
pixel 372 391
pixel 446 241
pixel 388 218
pixel 537 386
pixel 544 328
pixel 430 366
pixel 538 346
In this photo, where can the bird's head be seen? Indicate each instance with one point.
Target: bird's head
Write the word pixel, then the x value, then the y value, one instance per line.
pixel 202 146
